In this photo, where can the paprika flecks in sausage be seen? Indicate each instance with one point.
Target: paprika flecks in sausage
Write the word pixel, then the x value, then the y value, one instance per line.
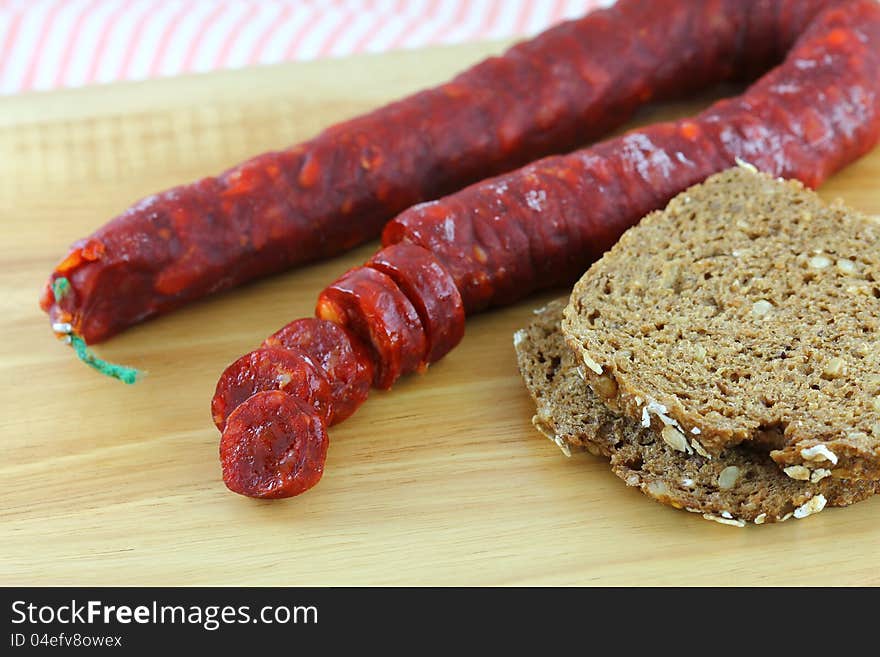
pixel 542 225
pixel 271 368
pixel 345 360
pixel 430 288
pixel 273 446
pixel 557 91
pixel 371 306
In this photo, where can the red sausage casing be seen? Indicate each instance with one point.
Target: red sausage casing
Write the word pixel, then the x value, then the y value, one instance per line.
pixel 371 306
pixel 431 290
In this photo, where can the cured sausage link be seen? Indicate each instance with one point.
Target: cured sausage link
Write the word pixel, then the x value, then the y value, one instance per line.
pixel 569 85
pixel 542 225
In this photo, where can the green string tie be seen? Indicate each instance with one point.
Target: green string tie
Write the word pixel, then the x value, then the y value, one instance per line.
pixel 129 375
pixel 121 372
pixel 60 287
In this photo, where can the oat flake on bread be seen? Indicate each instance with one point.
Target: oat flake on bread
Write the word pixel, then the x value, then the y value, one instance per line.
pixel 745 313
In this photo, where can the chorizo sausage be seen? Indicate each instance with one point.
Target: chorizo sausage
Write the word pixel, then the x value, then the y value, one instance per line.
pixel 371 306
pixel 271 368
pixel 541 226
pixel 345 360
pixel 273 445
pixel 569 85
pixel 430 289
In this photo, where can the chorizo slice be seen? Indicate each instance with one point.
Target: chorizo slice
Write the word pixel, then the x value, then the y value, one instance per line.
pixel 270 368
pixel 345 360
pixel 371 306
pixel 273 446
pixel 431 290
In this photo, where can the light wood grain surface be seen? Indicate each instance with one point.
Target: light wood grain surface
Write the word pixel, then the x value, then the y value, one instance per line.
pixel 442 481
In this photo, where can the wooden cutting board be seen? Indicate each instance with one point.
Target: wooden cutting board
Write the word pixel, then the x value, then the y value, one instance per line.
pixel 442 481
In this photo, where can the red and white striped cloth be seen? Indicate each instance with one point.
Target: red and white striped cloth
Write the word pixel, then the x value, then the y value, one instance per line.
pixel 49 44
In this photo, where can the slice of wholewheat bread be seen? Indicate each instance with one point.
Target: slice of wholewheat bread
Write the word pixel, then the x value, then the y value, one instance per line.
pixel 740 485
pixel 745 312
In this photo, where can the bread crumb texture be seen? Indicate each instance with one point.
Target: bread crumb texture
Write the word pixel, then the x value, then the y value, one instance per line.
pixel 740 484
pixel 748 310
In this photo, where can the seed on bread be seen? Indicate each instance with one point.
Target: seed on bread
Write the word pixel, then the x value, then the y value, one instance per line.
pixel 834 368
pixel 819 453
pixel 820 262
pixel 819 474
pixel 761 308
pixel 846 267
pixel 814 505
pixel 798 472
pixel 675 439
pixel 733 522
pixel 698 448
pixel 604 386
pixel 728 477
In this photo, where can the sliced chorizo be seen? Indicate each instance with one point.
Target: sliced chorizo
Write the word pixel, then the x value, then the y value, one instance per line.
pixel 273 446
pixel 343 357
pixel 271 368
pixel 431 290
pixel 371 306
